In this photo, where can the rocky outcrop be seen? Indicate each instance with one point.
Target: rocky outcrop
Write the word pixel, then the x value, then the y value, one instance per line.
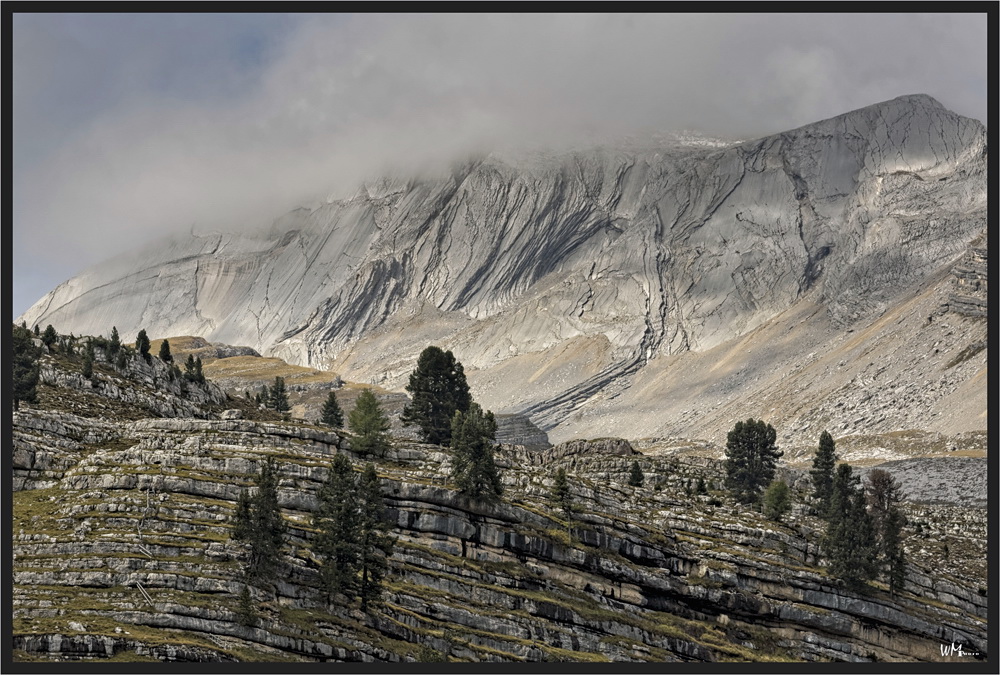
pixel 520 430
pixel 575 274
pixel 970 281
pixel 126 547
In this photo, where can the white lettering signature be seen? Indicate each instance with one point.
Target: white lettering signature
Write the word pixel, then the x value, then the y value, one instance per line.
pixel 956 650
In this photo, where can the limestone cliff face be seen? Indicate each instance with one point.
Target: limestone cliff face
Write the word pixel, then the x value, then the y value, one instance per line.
pixel 122 548
pixel 571 272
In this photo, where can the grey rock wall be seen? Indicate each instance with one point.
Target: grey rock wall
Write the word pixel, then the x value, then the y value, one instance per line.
pixel 570 273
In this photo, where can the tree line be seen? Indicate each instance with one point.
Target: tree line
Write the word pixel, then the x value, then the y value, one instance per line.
pixel 863 538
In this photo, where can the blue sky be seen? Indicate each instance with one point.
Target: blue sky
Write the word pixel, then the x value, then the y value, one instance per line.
pixel 129 126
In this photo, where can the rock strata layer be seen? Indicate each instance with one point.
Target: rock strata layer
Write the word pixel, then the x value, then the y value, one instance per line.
pixel 558 281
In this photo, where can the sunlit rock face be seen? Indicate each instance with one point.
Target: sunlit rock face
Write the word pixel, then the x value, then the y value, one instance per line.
pixel 555 279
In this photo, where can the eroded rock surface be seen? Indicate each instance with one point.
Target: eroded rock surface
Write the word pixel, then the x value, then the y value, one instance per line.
pixel 559 281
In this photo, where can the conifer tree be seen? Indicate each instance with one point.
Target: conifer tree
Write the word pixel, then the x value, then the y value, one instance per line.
pixel 370 425
pixel 561 494
pixel 332 415
pixel 37 332
pixel 50 336
pixel 884 496
pixel 198 375
pixel 473 437
pixel 751 456
pixel 438 388
pixel 142 345
pixel 114 344
pixel 165 351
pixel 635 476
pixel 777 500
pixel 24 366
pixel 87 369
pixel 246 611
pixel 190 370
pixel 338 520
pixel 264 529
pixel 822 471
pixel 122 359
pixel 850 542
pixel 375 542
pixel 279 395
pixel 243 517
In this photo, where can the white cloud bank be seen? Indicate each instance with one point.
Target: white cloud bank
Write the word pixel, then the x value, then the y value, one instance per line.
pixel 193 129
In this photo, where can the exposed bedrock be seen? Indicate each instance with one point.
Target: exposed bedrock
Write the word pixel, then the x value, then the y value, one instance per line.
pixel 573 272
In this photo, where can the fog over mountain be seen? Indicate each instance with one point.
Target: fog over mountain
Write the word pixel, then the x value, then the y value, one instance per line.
pixel 559 278
pixel 131 126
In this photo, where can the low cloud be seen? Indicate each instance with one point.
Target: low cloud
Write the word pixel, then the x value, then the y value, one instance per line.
pixel 248 129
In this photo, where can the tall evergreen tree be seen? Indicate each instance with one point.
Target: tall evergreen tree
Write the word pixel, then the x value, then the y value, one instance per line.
pixel 850 541
pixel 199 376
pixel 165 355
pixel 635 475
pixel 243 517
pixel 777 500
pixel 338 520
pixel 122 359
pixel 332 415
pixel 473 437
pixel 438 388
pixel 50 336
pixel 751 456
pixel 822 471
pixel 114 344
pixel 24 367
pixel 375 542
pixel 190 370
pixel 561 494
pixel 370 425
pixel 884 496
pixel 142 344
pixel 87 368
pixel 264 529
pixel 279 395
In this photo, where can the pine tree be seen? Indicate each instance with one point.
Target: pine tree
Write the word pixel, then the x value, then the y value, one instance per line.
pixel 473 437
pixel 142 344
pixel 438 388
pixel 243 518
pixel 114 344
pixel 850 542
pixel 261 525
pixel 165 351
pixel 50 336
pixel 190 373
pixel 369 425
pixel 751 456
pixel 635 476
pixel 332 415
pixel 375 542
pixel 25 368
pixel 561 494
pixel 884 496
pixel 338 520
pixel 87 369
pixel 246 612
pixel 122 359
pixel 199 376
pixel 279 395
pixel 822 471
pixel 37 332
pixel 777 500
